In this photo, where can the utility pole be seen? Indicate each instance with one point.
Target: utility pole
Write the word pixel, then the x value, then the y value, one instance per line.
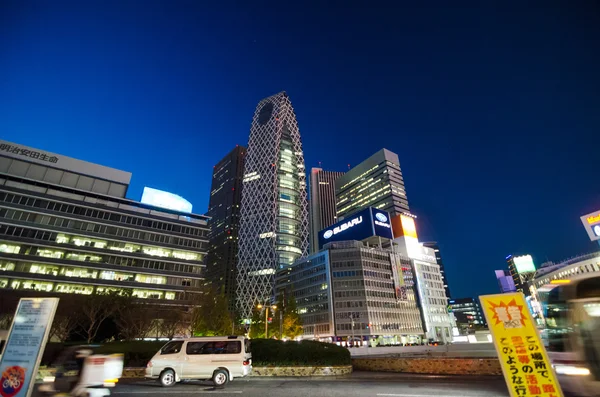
pixel 352 318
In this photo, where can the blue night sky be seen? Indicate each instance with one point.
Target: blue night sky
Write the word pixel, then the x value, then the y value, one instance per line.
pixel 492 108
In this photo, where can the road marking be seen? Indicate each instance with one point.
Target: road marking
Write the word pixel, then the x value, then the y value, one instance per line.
pixel 183 392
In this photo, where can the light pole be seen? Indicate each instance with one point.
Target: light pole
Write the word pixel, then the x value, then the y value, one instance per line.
pixel 266 317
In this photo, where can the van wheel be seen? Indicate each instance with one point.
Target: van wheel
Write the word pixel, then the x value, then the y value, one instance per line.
pixel 167 378
pixel 220 377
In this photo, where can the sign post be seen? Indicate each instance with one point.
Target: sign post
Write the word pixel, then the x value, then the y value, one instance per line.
pixel 25 345
pixel 523 358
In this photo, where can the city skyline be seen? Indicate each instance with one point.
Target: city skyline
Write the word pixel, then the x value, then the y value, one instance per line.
pixel 487 131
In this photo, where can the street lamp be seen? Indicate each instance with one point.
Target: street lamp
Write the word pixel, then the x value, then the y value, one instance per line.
pixel 266 317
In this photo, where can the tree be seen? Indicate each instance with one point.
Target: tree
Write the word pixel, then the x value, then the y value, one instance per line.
pixel 257 326
pixel 6 321
pixel 292 324
pixel 135 320
pixel 172 322
pixel 211 316
pixel 94 310
pixel 62 327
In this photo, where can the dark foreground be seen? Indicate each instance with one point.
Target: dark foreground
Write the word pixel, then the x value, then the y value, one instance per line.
pixel 373 384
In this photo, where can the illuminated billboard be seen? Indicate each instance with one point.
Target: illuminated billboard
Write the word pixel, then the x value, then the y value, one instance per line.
pixel 162 199
pixel 524 264
pixel 367 223
pixel 591 223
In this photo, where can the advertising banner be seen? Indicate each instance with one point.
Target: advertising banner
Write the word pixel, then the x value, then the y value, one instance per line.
pixel 398 277
pixel 525 364
pixel 25 345
pixel 364 224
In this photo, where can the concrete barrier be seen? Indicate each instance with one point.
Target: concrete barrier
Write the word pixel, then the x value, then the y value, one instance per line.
pixel 469 350
pixel 433 366
pixel 138 372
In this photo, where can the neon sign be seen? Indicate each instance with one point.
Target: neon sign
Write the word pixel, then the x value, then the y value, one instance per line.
pixel 593 218
pixel 342 227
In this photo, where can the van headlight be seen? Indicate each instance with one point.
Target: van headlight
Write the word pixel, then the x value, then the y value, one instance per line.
pixel 571 370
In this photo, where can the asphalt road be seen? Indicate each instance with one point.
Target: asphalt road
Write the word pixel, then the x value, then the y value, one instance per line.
pixel 373 384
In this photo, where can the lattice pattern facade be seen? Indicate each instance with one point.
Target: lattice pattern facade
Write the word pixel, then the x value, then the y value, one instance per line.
pixel 274 211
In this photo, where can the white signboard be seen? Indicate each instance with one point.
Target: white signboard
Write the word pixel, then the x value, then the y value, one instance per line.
pixel 25 345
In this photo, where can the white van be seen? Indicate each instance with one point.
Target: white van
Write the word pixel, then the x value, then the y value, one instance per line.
pixel 220 358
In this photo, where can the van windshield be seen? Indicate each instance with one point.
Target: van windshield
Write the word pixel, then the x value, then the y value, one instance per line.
pixel 173 347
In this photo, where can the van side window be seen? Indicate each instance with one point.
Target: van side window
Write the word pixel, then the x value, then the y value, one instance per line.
pixel 195 347
pixel 172 347
pixel 220 347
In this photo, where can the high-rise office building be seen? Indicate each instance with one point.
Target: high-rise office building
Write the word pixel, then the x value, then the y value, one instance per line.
pixel 67 228
pixel 224 211
pixel 438 258
pixel 274 210
pixel 322 203
pixel 376 182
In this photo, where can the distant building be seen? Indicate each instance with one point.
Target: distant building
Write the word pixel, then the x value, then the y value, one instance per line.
pixel 521 269
pixel 376 182
pixel 468 314
pixel 505 281
pixel 438 258
pixel 322 211
pixel 274 210
pixel 67 228
pixel 224 211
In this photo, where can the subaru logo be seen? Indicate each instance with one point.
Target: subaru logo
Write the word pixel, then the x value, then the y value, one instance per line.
pixel 380 217
pixel 597 230
pixel 328 234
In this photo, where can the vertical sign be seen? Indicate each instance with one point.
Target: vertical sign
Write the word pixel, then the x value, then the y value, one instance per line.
pixel 398 277
pixel 525 364
pixel 25 345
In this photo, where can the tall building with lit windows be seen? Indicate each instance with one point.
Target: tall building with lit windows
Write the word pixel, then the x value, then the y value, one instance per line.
pixel 376 182
pixel 224 213
pixel 67 228
pixel 274 210
pixel 322 210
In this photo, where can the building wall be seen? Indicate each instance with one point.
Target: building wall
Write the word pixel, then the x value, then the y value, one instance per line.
pixel 274 210
pixel 585 264
pixel 438 258
pixel 224 211
pixel 56 239
pixel 38 165
pixel 322 203
pixel 347 290
pixel 309 281
pixel 433 301
pixel 376 182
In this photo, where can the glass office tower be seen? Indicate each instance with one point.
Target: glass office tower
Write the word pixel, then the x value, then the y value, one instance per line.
pixel 274 211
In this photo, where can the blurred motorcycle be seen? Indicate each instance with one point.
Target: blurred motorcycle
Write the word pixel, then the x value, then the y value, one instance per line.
pixel 80 373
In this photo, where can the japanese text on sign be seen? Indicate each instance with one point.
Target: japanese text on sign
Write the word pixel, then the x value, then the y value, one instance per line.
pixel 524 360
pixel 28 153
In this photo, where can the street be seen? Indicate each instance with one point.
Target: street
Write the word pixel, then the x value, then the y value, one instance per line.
pixel 374 384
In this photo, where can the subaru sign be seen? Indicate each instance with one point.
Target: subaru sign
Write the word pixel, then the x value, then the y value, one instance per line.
pixel 367 223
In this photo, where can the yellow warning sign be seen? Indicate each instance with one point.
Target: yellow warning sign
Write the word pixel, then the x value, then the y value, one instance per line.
pixel 523 358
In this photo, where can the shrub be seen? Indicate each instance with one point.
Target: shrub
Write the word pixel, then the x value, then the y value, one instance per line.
pixel 271 352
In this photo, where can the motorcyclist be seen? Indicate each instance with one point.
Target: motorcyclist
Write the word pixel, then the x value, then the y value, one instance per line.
pixel 69 367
